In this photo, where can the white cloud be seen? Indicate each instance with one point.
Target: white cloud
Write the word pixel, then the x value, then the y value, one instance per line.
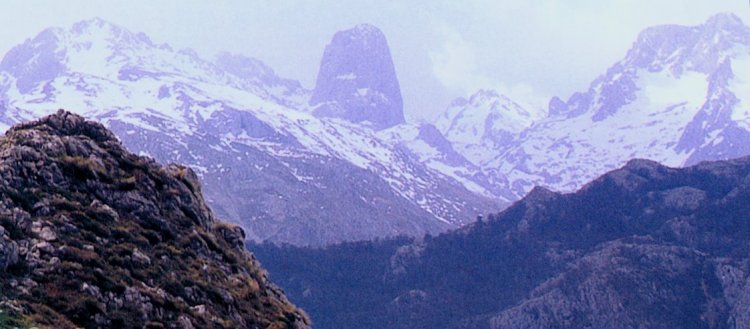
pixel 455 64
pixel 533 50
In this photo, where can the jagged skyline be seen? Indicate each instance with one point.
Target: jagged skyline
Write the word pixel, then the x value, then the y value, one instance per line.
pixel 442 51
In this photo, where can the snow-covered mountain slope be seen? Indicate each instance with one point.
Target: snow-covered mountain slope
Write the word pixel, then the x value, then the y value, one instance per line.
pixel 484 122
pixel 281 172
pixel 681 95
pixel 437 153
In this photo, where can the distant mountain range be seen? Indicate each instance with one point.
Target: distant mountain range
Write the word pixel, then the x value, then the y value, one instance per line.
pixel 339 162
pixel 644 246
pixel 680 96
pixel 285 170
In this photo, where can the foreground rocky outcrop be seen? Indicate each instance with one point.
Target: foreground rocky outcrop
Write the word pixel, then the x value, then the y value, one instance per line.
pixel 93 236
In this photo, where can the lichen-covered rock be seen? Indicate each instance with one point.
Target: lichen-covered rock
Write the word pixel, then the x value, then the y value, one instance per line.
pixel 93 236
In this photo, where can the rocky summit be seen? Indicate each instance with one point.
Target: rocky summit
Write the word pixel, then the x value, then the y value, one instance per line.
pixel 357 80
pixel 265 162
pixel 92 236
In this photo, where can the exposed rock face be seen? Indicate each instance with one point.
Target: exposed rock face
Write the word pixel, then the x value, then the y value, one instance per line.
pixel 93 236
pixel 357 80
pixel 620 286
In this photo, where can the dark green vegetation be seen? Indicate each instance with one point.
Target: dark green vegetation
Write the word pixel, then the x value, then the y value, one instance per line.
pixel 643 246
pixel 11 317
pixel 92 236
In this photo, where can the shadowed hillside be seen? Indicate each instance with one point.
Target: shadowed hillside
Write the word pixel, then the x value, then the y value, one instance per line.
pixel 644 245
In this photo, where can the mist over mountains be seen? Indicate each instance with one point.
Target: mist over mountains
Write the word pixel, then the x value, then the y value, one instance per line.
pixel 338 163
pixel 269 161
pixel 624 205
pixel 676 98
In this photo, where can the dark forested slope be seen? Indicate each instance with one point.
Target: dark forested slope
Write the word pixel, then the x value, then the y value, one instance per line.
pixel 644 245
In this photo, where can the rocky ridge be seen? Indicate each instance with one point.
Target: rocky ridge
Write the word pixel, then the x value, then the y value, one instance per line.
pixel 642 246
pixel 93 236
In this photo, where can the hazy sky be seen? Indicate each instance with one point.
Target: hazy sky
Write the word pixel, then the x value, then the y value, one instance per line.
pixel 442 49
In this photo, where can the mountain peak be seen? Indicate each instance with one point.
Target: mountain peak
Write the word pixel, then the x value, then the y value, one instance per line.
pixel 668 50
pixel 487 117
pixel 485 94
pixel 724 21
pixel 364 29
pixel 92 47
pixel 689 47
pixel 364 32
pixel 93 23
pixel 357 79
pixel 102 29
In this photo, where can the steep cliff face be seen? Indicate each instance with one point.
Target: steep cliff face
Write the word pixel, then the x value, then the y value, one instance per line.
pixel 357 80
pixel 93 236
